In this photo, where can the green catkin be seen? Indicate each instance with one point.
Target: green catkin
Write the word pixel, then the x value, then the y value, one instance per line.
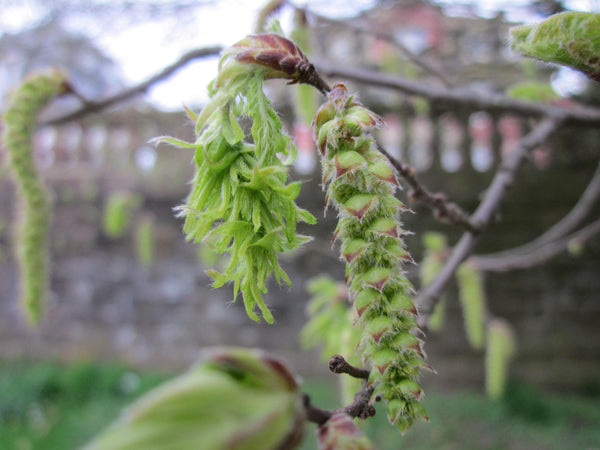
pixel 500 349
pixel 436 251
pixel 20 118
pixel 240 202
pixel 118 212
pixel 361 185
pixel 471 293
pixel 144 240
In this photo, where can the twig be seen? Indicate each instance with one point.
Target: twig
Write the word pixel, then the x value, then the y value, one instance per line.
pixel 417 60
pixel 482 216
pixel 315 414
pixel 361 407
pixel 537 255
pixel 583 206
pixel 462 96
pixel 337 364
pixel 95 106
pixel 444 210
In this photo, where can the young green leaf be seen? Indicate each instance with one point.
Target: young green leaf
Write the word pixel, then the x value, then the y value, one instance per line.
pixel 571 38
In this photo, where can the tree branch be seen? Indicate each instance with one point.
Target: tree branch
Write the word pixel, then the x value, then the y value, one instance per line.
pixel 315 414
pixel 417 60
pixel 361 407
pixel 453 97
pixel 536 255
pixel 444 210
pixel 482 216
pixel 95 106
pixel 499 260
pixel 337 364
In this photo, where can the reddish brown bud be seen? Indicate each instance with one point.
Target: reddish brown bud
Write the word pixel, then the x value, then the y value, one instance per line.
pixel 340 433
pixel 360 204
pixel 347 161
pixel 282 56
pixel 377 277
pixel 353 249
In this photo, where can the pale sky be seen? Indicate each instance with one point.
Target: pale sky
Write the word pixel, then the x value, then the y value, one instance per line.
pixel 145 49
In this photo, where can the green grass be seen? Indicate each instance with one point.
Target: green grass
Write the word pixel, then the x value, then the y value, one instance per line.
pixel 525 419
pixel 51 406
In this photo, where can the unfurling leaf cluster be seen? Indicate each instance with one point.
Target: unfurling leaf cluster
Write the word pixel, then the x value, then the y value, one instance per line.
pixel 20 120
pixel 571 38
pixel 236 398
pixel 240 202
pixel 361 185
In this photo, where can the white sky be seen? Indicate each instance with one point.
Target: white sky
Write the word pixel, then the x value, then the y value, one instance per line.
pixel 145 49
pixel 224 24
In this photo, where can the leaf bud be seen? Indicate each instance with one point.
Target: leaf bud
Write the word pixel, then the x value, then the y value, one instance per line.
pixel 341 433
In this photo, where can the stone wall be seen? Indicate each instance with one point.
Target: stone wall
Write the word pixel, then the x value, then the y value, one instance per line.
pixel 105 305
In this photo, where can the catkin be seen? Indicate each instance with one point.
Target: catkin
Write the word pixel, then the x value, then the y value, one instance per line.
pixel 32 229
pixel 361 185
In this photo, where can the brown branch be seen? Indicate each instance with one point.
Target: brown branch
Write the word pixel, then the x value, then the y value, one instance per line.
pixel 499 260
pixel 462 97
pixel 95 106
pixel 482 216
pixel 417 60
pixel 536 255
pixel 361 406
pixel 337 364
pixel 444 210
pixel 315 414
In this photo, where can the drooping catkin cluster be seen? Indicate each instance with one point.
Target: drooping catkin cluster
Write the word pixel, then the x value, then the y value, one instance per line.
pixel 20 119
pixel 241 202
pixel 361 185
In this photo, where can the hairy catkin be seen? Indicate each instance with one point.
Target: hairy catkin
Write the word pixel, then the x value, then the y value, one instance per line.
pixel 361 185
pixel 32 229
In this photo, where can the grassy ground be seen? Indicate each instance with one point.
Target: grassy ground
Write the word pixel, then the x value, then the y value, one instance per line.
pixel 48 406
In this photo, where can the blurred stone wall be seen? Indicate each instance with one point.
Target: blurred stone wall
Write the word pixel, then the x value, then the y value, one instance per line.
pixel 104 305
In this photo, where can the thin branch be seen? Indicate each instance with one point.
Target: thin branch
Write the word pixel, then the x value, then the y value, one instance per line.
pixel 444 210
pixel 337 364
pixel 537 255
pixel 95 106
pixel 453 97
pixel 482 216
pixel 315 414
pixel 360 407
pixel 567 224
pixel 416 59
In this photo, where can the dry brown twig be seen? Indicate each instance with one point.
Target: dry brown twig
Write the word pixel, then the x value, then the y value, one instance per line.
pixel 482 216
pixel 550 243
pixel 416 59
pixel 361 407
pixel 89 106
